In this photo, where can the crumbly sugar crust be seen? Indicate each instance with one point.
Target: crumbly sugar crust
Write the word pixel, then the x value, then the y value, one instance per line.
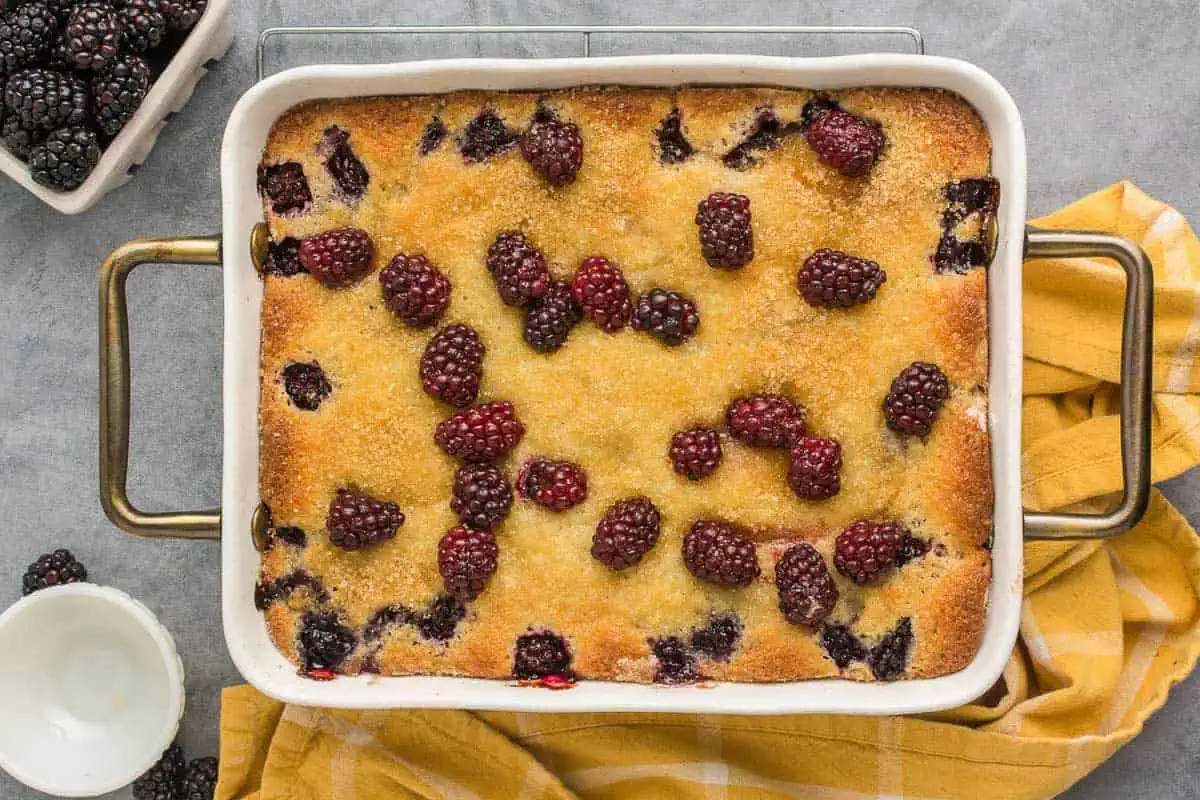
pixel 611 403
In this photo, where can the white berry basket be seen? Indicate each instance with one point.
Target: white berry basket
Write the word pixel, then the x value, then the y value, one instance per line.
pixel 207 41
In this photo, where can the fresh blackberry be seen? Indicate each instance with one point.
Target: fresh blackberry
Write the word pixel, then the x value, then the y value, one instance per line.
pixel 719 638
pixel 182 15
pixel 357 520
pixel 482 496
pixel 726 238
pixel 306 384
pixel 27 33
pixel 807 593
pixel 484 137
pixel 65 159
pixel 541 654
pixel 911 548
pixel 866 548
pixel 481 433
pixel 200 780
pixel 815 108
pixel 765 420
pixel 53 569
pixel 324 642
pixel 466 560
pixel 283 258
pixel 673 146
pixel 142 25
pixel 19 140
pixel 841 644
pixel 549 320
pixel 347 170
pixel 600 289
pixel 118 92
pixel 518 268
pixel 415 290
pixel 92 35
pixel 286 187
pixel 696 453
pixel 889 657
pixel 553 147
pixel 431 139
pixel 667 316
pixel 714 551
pixel 849 144
pixel 814 469
pixel 917 395
pixel 556 485
pixel 766 133
pixel 47 100
pixel 439 622
pixel 338 258
pixel 832 279
pixel 676 663
pixel 452 365
pixel 628 530
pixel 163 781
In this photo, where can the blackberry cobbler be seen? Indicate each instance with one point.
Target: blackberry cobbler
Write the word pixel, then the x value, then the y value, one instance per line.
pixel 635 385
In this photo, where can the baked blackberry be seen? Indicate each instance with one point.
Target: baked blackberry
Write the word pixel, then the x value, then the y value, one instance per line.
pixel 673 146
pixel 917 395
pixel 482 433
pixel 849 144
pixel 832 279
pixel 676 663
pixel 163 781
pixel 719 638
pixel 714 551
pixel 182 15
pixel 970 196
pixel 539 655
pixel 92 35
pixel 27 33
pixel 415 290
pixel 600 289
pixel 628 530
pixel 807 592
pixel 306 385
pixel 288 534
pixel 482 496
pixel 118 92
pixel 865 549
pixel 283 258
pixel 200 780
pixel 815 108
pixel 556 485
pixel 553 147
pixel 47 100
pixel 726 238
pixel 485 137
pixel 452 365
pixel 52 569
pixel 324 642
pixel 286 187
pixel 18 139
pixel 338 258
pixel 285 587
pixel 911 548
pixel 518 268
pixel 550 318
pixel 348 172
pixel 667 316
pixel 889 657
pixel 765 420
pixel 841 644
pixel 431 139
pixel 439 622
pixel 142 25
pixel 357 520
pixel 696 453
pixel 466 560
pixel 814 469
pixel 766 133
pixel 65 159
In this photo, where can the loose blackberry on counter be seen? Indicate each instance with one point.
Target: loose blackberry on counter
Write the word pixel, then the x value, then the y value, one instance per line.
pixel 200 780
pixel 118 92
pixel 53 569
pixel 163 781
pixel 65 159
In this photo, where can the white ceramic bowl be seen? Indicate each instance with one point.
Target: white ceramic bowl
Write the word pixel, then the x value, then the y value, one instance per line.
pixel 91 689
pixel 207 41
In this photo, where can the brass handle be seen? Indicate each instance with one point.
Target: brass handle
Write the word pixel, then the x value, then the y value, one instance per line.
pixel 1137 363
pixel 114 389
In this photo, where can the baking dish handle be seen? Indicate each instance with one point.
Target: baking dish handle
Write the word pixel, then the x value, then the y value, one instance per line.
pixel 114 389
pixel 1137 362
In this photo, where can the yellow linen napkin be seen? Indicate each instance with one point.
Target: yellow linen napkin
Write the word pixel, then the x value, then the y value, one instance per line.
pixel 1106 627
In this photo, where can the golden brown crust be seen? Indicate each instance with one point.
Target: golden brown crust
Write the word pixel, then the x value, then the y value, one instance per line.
pixel 611 403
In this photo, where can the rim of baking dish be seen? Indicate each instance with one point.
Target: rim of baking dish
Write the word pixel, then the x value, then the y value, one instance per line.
pixel 251 648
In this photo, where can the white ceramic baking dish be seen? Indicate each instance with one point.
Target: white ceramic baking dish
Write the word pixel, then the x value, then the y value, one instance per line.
pixel 206 42
pixel 246 635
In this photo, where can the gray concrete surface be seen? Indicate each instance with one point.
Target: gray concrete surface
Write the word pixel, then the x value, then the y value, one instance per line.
pixel 1108 91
